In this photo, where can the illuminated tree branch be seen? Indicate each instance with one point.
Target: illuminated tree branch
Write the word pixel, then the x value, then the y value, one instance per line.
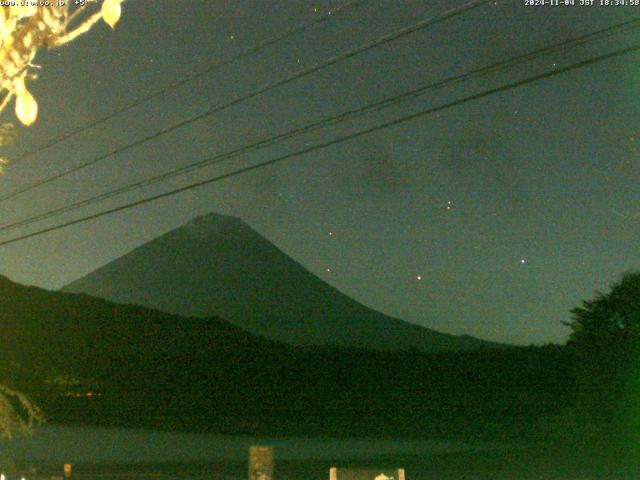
pixel 24 30
pixel 17 414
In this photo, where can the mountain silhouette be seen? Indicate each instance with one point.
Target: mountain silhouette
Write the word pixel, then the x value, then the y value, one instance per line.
pixel 86 360
pixel 217 265
pixel 95 338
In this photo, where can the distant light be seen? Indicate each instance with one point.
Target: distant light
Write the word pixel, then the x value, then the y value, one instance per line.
pixel 328 270
pixel 522 260
pixel 331 234
pixel 419 277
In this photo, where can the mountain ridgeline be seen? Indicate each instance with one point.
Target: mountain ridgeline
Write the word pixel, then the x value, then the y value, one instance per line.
pixel 217 265
pixel 88 360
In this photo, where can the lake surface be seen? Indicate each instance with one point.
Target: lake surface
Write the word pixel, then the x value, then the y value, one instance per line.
pixel 52 443
pixel 121 454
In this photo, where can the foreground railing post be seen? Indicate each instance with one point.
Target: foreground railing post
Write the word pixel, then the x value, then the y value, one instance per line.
pixel 366 474
pixel 261 462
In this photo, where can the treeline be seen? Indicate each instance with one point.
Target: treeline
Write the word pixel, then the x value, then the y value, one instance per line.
pixel 476 395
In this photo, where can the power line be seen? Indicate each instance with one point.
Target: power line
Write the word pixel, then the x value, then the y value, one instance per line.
pixel 349 115
pixel 211 68
pixel 451 13
pixel 360 133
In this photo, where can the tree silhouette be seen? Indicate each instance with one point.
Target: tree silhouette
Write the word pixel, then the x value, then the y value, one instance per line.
pixel 605 339
pixel 611 320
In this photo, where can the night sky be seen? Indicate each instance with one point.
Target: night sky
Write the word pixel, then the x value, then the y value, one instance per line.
pixel 493 218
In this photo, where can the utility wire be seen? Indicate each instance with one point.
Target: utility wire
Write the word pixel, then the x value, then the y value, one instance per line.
pixel 451 13
pixel 349 115
pixel 211 68
pixel 342 139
